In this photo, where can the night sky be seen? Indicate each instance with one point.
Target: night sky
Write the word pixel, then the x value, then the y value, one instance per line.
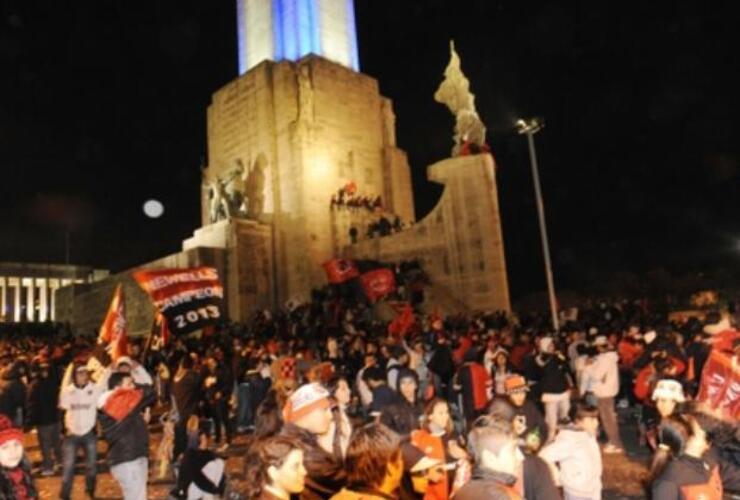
pixel 103 106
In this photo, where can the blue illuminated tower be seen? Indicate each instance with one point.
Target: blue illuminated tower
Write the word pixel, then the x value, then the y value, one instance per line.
pixel 290 29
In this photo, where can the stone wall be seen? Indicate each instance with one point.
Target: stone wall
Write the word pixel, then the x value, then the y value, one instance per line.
pixel 248 271
pixel 460 242
pixel 84 305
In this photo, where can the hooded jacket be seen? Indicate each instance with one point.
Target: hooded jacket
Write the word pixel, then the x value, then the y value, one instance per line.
pixel 489 485
pixel 602 376
pixel 123 425
pixel 578 456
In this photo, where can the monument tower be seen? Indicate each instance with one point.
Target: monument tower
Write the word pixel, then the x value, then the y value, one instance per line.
pixel 295 132
pixel 299 124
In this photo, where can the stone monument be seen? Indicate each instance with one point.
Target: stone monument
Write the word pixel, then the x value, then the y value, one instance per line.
pixel 302 161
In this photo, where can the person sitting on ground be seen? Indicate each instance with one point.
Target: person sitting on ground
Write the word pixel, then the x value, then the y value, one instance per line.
pixel 16 482
pixel 201 475
pixel 307 415
pixel 275 469
pixel 374 464
pixel 498 462
pixel 574 455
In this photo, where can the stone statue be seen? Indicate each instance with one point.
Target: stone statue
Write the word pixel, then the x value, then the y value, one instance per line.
pixel 454 92
pixel 255 187
pixel 224 200
pixel 305 95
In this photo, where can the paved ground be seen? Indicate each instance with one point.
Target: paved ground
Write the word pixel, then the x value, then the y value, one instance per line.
pixel 622 473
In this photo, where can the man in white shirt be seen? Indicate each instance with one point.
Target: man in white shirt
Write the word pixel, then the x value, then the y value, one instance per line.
pixel 78 398
pixel 602 377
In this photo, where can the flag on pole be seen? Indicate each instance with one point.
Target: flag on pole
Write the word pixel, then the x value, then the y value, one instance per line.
pixel 113 331
pixel 190 299
pixel 378 283
pixel 403 321
pixel 340 270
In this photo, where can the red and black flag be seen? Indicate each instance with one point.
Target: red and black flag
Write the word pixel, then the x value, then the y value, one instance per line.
pixel 190 299
pixel 378 283
pixel 340 270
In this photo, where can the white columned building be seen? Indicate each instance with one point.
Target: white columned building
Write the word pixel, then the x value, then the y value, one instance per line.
pixel 27 290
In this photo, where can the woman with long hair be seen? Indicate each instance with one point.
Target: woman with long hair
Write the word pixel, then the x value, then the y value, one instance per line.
pixel 680 470
pixel 336 440
pixel 274 469
pixel 438 440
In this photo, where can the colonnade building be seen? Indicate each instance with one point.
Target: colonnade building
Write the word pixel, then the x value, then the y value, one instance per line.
pixel 28 291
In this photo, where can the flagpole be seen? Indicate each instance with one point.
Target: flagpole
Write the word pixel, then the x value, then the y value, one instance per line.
pixel 150 338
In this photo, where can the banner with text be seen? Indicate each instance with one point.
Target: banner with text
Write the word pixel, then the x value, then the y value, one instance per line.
pixel 190 299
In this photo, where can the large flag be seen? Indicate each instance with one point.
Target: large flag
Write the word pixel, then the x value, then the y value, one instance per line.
pixel 113 331
pixel 340 270
pixel 403 321
pixel 190 299
pixel 720 383
pixel 378 283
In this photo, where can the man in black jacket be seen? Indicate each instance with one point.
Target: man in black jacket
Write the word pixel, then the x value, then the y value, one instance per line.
pixel 43 413
pixel 125 430
pixel 188 394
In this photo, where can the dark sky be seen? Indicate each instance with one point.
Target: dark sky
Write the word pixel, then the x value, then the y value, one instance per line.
pixel 103 106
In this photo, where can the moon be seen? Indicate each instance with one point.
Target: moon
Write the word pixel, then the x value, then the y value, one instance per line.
pixel 153 209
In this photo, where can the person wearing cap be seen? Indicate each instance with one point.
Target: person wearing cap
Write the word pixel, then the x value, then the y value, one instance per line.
pixel 420 473
pixel 16 481
pixel 78 397
pixel 43 413
pixel 529 423
pixel 666 395
pixel 307 414
pixel 13 391
pixel 374 465
pixel 602 377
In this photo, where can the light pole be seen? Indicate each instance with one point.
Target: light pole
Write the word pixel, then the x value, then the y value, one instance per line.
pixel 529 128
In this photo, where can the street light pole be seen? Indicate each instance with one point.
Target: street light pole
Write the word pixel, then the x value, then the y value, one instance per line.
pixel 529 128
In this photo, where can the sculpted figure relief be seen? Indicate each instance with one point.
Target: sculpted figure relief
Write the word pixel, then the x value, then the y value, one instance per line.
pixel 224 199
pixel 454 92
pixel 255 187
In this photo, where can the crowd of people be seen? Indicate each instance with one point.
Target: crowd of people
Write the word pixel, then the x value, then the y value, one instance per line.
pixel 335 404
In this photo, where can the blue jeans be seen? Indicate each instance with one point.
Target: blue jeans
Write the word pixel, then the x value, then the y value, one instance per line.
pixel 244 417
pixel 50 441
pixel 69 453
